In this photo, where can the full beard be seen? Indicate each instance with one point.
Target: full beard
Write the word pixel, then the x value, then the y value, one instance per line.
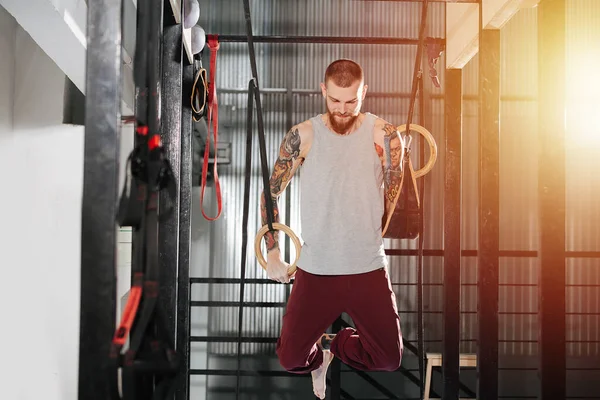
pixel 341 124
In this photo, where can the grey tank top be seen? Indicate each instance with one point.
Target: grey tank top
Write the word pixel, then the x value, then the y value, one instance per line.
pixel 341 202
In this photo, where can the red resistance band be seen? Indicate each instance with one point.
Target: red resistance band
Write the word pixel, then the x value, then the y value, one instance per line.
pixel 213 116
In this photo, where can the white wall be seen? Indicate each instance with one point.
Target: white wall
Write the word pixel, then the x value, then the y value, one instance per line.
pixel 40 207
pixel 41 161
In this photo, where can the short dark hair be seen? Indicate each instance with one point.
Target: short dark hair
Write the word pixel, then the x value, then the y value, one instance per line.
pixel 344 72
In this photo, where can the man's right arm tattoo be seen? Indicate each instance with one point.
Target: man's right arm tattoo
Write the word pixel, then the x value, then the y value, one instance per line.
pixel 285 166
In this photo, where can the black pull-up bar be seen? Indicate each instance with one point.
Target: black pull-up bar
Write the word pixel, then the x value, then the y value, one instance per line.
pixel 328 39
pixel 431 1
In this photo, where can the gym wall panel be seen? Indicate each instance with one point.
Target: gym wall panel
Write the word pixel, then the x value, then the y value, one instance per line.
pixel 7 66
pixel 40 229
pixel 583 185
pixel 519 53
pixel 582 191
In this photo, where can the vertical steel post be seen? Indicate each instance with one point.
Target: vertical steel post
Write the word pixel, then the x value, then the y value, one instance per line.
pixel 100 194
pixel 170 129
pixel 489 208
pixel 551 156
pixel 452 234
pixel 185 236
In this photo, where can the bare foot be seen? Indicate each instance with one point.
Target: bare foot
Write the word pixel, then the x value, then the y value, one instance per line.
pixel 319 376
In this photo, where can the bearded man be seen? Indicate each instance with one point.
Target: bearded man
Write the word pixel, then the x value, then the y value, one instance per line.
pixel 351 166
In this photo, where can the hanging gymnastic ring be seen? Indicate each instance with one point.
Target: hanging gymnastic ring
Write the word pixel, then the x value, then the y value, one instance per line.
pixel 285 229
pixel 432 147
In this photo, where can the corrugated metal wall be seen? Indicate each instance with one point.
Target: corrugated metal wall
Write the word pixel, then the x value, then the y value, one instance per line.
pixel 583 192
pixel 296 70
pixel 518 188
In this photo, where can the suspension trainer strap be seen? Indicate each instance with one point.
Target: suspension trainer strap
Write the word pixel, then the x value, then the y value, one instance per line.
pixel 421 188
pixel 417 69
pixel 246 207
pixel 253 96
pixel 213 119
pixel 263 160
pixel 151 347
pixel 131 207
pixel 417 86
pixel 259 118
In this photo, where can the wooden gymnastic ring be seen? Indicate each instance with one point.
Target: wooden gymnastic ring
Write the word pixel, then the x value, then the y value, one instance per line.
pixel 285 229
pixel 432 147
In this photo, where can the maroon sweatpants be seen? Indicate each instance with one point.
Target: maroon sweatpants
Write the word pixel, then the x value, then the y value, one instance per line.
pixel 314 304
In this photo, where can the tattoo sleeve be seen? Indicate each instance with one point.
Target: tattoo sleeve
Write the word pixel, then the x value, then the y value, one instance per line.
pixel 392 157
pixel 286 164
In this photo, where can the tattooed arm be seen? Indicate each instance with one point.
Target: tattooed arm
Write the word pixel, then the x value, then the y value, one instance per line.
pixel 292 151
pixel 389 147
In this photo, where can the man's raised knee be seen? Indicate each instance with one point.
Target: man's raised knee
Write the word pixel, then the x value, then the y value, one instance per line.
pixel 391 360
pixel 288 362
pixel 287 358
pixel 394 360
pixel 291 360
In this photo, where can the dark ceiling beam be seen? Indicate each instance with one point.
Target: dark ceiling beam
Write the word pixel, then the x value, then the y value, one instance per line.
pixel 327 39
pixel 420 1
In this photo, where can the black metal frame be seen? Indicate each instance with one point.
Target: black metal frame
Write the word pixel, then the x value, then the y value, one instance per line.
pixel 171 121
pixel 452 234
pixel 393 95
pixel 489 210
pixel 431 1
pixel 185 236
pixel 328 40
pixel 336 374
pixel 552 280
pixel 101 158
pixel 100 193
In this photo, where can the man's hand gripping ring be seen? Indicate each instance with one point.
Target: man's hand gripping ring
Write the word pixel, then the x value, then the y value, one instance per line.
pixel 285 229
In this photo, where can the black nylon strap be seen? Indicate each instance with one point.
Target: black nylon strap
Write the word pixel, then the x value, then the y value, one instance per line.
pixel 417 68
pixel 150 292
pixel 246 206
pixel 417 86
pixel 151 348
pixel 420 324
pixel 259 118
